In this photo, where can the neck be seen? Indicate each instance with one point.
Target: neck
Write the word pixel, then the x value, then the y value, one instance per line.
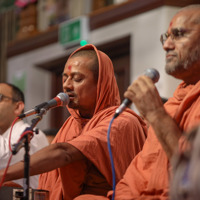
pixel 192 80
pixel 86 114
pixel 3 129
pixel 5 126
pixel 190 76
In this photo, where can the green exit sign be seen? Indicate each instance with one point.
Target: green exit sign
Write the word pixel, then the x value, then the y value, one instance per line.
pixel 73 31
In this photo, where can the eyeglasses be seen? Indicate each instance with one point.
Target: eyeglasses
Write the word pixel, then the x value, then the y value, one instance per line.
pixel 3 96
pixel 175 35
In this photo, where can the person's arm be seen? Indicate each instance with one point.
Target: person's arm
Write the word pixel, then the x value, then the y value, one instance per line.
pixel 4 152
pixel 4 149
pixel 146 98
pixel 49 158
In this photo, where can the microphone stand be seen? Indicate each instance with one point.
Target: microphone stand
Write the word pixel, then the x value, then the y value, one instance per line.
pixel 26 168
pixel 25 140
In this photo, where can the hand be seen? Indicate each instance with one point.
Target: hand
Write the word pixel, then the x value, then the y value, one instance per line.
pixel 145 96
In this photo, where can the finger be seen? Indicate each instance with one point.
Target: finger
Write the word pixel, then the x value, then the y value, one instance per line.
pixel 134 90
pixel 129 94
pixel 139 87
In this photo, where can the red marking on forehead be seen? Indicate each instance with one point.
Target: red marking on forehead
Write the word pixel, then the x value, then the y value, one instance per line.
pixel 69 67
pixel 170 24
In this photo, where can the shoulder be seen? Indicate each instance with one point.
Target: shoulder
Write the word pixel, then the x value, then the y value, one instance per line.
pixel 110 111
pixel 126 118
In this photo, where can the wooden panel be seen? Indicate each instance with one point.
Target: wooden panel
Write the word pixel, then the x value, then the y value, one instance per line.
pixel 99 18
pixel 114 13
pixel 180 3
pixel 33 42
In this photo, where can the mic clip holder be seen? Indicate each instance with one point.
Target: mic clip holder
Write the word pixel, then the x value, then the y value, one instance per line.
pixel 17 146
pixel 37 109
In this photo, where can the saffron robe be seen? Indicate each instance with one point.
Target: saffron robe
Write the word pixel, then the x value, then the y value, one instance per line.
pixel 147 177
pixel 93 175
pixel 148 174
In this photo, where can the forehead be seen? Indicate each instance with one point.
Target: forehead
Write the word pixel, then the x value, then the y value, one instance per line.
pixel 5 89
pixel 78 63
pixel 185 19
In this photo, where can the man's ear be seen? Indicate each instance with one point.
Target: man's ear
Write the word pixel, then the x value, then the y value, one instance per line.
pixel 19 107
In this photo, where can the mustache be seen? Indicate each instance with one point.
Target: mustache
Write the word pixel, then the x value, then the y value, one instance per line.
pixel 71 94
pixel 171 53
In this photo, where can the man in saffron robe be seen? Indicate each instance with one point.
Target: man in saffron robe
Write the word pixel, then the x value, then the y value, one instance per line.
pixel 148 175
pixel 77 162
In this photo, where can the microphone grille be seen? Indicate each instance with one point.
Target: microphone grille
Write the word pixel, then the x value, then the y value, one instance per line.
pixel 64 98
pixel 153 74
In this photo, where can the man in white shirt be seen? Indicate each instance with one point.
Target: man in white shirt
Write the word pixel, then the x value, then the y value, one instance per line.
pixel 12 105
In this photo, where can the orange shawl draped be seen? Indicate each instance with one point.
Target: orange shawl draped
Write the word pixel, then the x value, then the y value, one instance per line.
pixel 147 177
pixel 93 176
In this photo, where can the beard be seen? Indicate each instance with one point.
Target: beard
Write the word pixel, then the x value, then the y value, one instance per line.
pixel 175 66
pixel 73 105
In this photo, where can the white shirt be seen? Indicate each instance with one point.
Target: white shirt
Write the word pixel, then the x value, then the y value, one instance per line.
pixel 38 142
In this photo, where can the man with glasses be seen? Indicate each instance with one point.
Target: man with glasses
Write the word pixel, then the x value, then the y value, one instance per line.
pixel 12 105
pixel 148 175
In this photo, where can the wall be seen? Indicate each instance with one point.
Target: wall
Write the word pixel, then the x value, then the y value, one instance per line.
pixel 146 49
pixel 146 52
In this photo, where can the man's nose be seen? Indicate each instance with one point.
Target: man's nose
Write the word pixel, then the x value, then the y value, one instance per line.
pixel 67 85
pixel 169 44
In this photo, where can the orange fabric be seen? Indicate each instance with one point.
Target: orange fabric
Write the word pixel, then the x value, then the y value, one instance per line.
pixel 93 176
pixel 11 184
pixel 90 197
pixel 148 174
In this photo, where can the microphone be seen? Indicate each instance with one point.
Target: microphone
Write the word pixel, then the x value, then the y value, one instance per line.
pixel 153 74
pixel 62 99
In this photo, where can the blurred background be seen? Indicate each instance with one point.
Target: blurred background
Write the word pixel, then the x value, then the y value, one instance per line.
pixel 37 36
